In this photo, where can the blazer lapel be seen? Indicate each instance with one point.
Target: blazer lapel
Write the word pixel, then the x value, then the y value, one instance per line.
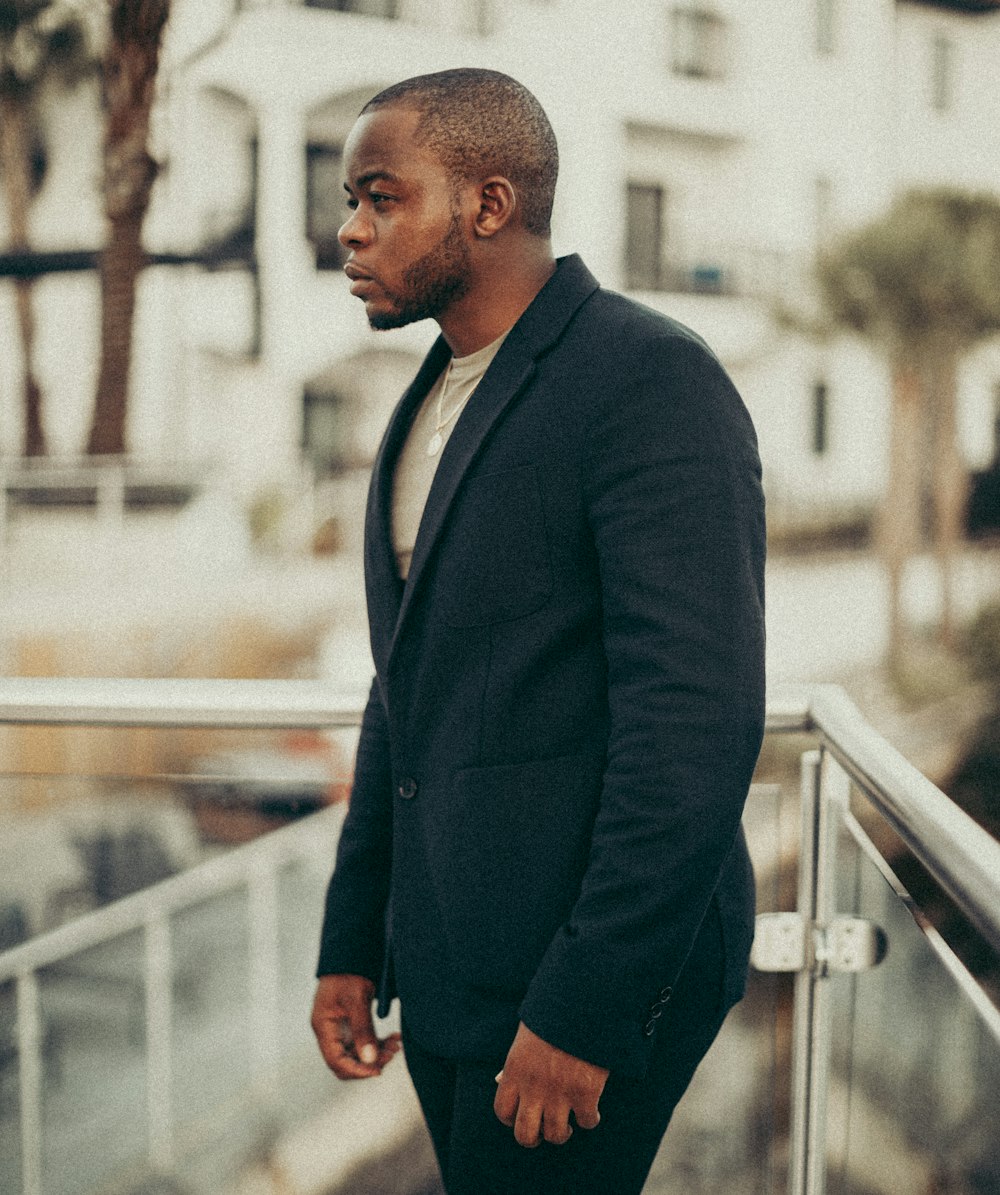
pixel 537 330
pixel 383 587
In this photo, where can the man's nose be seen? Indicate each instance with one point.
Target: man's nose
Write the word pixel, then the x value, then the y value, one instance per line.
pixel 356 230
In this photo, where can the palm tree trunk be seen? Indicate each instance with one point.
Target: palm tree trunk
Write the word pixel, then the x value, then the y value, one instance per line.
pixel 16 171
pixel 130 66
pixel 899 526
pixel 950 489
pixel 121 263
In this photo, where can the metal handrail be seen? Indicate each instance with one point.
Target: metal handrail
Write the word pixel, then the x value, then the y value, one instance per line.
pixel 244 704
pixel 958 853
pixel 169 896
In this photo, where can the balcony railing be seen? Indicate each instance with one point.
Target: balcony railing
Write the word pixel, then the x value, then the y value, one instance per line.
pixel 846 1069
pixel 733 271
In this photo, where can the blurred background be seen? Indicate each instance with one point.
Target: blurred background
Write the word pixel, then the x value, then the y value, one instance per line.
pixel 190 402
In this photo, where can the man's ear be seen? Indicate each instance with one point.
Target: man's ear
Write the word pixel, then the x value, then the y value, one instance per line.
pixel 497 204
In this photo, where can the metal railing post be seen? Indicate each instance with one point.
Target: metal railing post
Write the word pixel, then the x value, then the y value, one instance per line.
pixel 824 795
pixel 159 1060
pixel 29 1046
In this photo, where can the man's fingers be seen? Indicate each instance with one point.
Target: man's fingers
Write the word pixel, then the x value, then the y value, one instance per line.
pixel 505 1102
pixel 337 1054
pixel 540 1085
pixel 342 1058
pixel 587 1116
pixel 342 1022
pixel 528 1124
pixel 329 1037
pixel 388 1047
pixel 347 1067
pixel 555 1125
pixel 362 1031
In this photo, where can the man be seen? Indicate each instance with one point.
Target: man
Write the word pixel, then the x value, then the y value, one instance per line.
pixel 564 555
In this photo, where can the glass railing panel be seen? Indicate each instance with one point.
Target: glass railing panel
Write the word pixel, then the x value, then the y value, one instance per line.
pixel 301 892
pixel 149 805
pixel 93 1025
pixel 219 1122
pixel 98 813
pixel 213 1050
pixel 242 1112
pixel 729 1133
pixel 915 1081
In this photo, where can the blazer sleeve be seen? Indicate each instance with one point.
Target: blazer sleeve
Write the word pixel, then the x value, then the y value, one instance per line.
pixel 676 509
pixel 353 936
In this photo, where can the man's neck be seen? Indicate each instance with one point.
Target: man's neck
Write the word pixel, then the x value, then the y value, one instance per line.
pixel 495 303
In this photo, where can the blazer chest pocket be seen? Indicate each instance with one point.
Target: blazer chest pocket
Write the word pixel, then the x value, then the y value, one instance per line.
pixel 495 565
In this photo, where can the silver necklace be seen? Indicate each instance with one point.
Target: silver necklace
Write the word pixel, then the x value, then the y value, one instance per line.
pixel 436 440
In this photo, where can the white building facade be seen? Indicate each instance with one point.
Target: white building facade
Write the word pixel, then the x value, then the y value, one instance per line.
pixel 708 148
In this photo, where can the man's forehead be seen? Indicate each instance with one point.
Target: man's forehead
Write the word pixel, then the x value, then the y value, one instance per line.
pixel 385 139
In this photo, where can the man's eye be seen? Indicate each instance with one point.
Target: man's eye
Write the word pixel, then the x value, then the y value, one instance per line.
pixel 351 202
pixel 377 197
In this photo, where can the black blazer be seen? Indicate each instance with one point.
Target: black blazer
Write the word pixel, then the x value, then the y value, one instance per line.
pixel 569 695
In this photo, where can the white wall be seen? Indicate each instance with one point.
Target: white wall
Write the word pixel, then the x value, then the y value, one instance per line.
pixel 741 155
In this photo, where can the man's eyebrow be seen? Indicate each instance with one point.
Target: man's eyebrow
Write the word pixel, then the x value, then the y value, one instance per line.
pixel 363 180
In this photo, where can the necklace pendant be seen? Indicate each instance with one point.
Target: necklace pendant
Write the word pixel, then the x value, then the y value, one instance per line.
pixel 434 444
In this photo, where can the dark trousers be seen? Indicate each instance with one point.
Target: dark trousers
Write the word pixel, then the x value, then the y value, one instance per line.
pixel 479 1156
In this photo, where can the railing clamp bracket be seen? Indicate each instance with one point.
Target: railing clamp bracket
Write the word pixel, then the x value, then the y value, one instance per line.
pixel 783 942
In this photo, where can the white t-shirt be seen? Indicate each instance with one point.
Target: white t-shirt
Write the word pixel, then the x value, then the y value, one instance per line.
pixel 425 441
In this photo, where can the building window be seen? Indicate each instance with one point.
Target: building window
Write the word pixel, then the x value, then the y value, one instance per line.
pixel 826 19
pixel 645 236
pixel 697 43
pixel 325 207
pixel 326 431
pixel 387 9
pixel 942 71
pixel 820 419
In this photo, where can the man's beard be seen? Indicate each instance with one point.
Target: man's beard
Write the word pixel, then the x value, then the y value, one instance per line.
pixel 431 284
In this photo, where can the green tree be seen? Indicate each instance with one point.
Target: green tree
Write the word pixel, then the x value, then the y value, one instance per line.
pixel 923 284
pixel 131 60
pixel 41 41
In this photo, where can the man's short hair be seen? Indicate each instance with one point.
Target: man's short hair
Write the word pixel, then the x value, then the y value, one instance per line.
pixel 481 122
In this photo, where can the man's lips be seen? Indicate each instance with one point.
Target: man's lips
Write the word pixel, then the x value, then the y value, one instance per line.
pixel 360 280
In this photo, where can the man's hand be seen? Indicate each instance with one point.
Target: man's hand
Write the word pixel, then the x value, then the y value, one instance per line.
pixel 342 1022
pixel 540 1085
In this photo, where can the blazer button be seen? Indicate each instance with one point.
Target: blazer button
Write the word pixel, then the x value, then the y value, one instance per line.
pixel 408 788
pixel 666 993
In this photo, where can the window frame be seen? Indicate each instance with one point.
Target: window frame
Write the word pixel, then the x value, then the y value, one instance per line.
pixel 825 28
pixel 330 254
pixel 942 71
pixel 697 48
pixel 819 419
pixel 643 274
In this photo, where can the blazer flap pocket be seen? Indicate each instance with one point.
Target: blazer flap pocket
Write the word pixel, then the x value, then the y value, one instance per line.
pixel 510 860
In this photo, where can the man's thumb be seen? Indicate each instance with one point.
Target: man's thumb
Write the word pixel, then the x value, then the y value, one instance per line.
pixel 363 1032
